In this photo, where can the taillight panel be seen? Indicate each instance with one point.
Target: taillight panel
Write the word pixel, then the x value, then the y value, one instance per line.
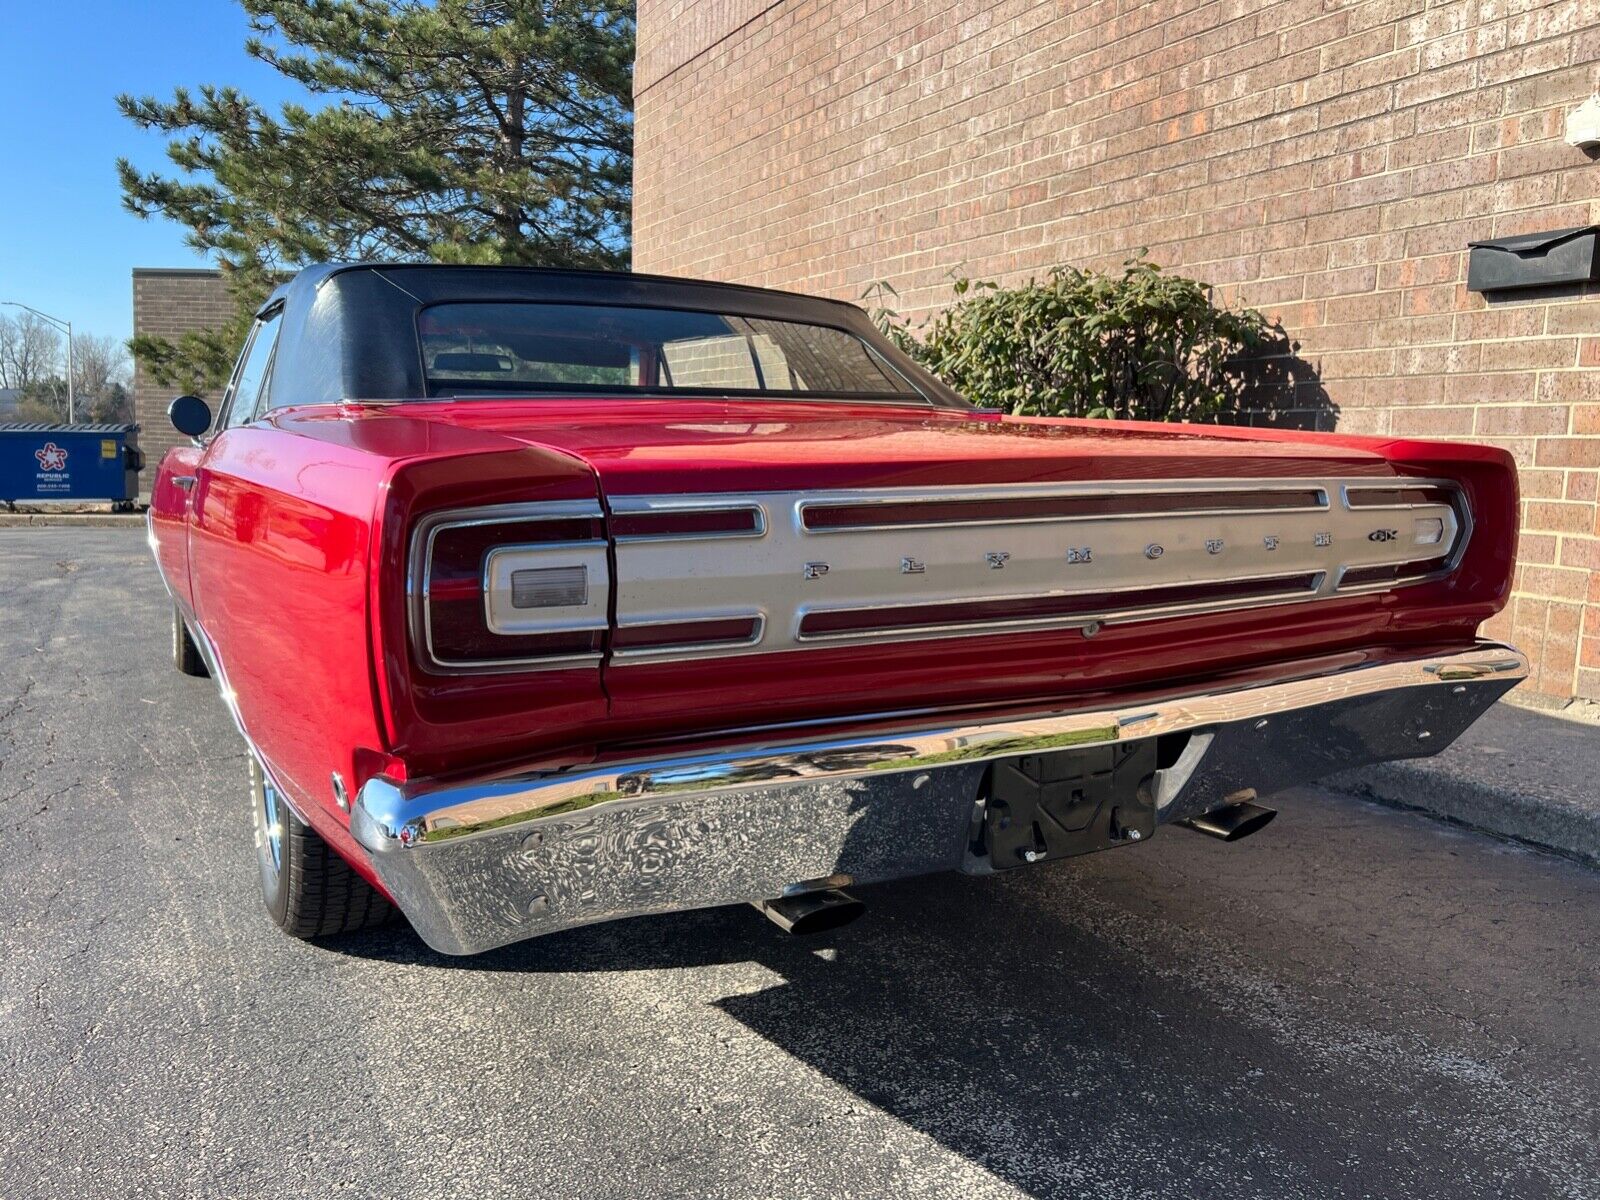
pixel 511 587
pixel 518 587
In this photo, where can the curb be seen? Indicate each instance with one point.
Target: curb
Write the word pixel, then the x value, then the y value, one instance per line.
pixel 1531 820
pixel 69 520
pixel 1518 774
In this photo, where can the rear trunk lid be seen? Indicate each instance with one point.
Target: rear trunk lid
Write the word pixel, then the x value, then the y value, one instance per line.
pixel 647 447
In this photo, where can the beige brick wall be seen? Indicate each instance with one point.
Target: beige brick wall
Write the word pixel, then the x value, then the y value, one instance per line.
pixel 170 302
pixel 1325 160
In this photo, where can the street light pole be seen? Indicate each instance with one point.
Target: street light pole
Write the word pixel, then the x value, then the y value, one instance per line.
pixel 66 326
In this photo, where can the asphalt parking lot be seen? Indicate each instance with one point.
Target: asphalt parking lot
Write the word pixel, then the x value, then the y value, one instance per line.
pixel 1356 1002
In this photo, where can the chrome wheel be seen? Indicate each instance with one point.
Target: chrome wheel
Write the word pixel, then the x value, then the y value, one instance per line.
pixel 269 816
pixel 269 812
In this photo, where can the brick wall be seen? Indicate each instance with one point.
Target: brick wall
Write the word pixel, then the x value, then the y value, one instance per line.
pixel 1324 160
pixel 169 302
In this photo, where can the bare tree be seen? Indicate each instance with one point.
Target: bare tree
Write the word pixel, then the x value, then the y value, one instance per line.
pixel 99 362
pixel 30 351
pixel 31 362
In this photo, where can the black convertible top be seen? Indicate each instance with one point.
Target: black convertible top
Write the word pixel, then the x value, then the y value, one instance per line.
pixel 349 330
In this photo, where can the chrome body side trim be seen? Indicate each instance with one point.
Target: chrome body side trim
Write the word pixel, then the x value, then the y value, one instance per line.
pixel 479 863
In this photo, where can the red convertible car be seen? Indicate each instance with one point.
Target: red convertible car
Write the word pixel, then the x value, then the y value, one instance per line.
pixel 549 597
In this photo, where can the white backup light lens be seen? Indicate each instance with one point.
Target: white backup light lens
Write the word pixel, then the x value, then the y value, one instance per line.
pixel 550 587
pixel 1430 531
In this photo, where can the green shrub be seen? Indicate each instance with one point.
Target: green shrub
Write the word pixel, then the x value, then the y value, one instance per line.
pixel 1144 344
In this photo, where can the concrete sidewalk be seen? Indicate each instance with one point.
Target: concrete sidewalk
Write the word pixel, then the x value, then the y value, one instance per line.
pixel 1518 773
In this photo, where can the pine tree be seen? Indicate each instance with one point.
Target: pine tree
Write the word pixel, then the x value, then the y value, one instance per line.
pixel 451 130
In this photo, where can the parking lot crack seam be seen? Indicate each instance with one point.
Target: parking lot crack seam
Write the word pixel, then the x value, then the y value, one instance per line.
pixel 14 705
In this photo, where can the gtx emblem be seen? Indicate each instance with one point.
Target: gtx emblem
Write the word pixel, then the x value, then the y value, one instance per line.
pixel 815 570
pixel 1153 550
pixel 996 559
pixel 1270 542
pixel 1383 535
pixel 1213 545
pixel 912 566
pixel 1079 554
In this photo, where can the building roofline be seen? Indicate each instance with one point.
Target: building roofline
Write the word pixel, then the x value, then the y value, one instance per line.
pixel 206 272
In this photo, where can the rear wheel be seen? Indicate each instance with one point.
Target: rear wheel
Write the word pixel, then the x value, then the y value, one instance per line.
pixel 308 889
pixel 185 654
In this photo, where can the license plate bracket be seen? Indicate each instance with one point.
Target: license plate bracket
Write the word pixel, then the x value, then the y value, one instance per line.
pixel 1069 802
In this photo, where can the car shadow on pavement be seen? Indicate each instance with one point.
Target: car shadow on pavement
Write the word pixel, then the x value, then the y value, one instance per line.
pixel 1058 1029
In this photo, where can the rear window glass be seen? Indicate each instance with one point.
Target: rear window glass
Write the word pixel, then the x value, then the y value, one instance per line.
pixel 495 349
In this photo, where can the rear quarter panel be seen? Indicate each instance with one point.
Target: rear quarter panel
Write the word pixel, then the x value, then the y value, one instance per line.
pixel 299 561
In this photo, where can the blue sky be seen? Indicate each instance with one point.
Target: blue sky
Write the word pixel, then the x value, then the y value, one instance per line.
pixel 66 245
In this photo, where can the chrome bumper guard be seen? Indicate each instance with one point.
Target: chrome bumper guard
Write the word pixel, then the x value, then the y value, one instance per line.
pixel 480 864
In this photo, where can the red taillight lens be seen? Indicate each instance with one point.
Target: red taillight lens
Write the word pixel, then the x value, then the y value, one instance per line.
pixel 710 520
pixel 1094 606
pixel 460 637
pixel 515 586
pixel 712 631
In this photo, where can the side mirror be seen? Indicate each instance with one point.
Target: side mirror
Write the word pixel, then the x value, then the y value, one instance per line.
pixel 189 415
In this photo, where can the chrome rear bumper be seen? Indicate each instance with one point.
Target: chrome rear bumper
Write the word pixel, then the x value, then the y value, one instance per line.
pixel 479 864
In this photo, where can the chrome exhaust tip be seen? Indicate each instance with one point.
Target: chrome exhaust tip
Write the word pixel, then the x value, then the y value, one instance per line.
pixel 811 912
pixel 1232 821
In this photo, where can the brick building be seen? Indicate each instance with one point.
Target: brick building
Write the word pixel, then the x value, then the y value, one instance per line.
pixel 1324 160
pixel 169 301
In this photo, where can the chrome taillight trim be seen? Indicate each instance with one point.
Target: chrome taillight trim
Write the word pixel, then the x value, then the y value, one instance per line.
pixel 1463 537
pixel 419 578
pixel 590 554
pixel 794 570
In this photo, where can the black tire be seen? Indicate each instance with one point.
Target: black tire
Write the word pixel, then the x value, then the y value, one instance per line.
pixel 309 890
pixel 185 654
